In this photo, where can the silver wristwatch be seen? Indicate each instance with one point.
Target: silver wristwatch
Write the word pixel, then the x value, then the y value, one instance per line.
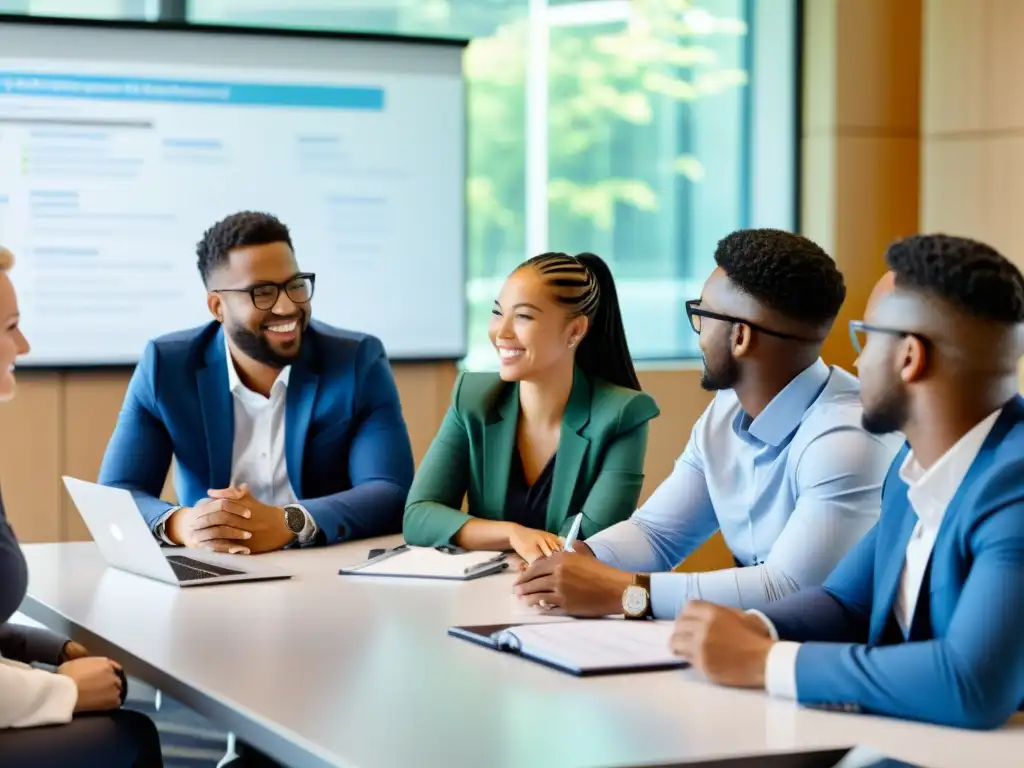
pixel 295 519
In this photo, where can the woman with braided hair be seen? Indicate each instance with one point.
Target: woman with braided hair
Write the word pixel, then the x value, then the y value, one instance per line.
pixel 561 429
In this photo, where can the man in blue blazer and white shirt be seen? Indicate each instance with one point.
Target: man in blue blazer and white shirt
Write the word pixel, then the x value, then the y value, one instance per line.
pixel 285 431
pixel 924 618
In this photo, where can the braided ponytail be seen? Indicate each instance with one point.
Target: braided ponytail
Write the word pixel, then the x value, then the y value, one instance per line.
pixel 584 285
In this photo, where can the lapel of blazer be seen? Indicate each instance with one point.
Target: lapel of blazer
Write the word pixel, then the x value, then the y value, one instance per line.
pixel 218 411
pixel 885 589
pixel 303 382
pixel 572 448
pixel 499 442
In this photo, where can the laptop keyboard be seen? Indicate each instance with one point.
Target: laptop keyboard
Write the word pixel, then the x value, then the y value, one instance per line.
pixel 187 569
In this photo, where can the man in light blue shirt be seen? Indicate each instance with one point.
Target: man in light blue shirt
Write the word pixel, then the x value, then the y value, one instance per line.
pixel 779 462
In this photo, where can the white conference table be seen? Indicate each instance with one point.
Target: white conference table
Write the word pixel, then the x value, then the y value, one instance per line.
pixel 326 670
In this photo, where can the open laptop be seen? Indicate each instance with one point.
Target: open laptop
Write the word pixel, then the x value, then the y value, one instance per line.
pixel 126 542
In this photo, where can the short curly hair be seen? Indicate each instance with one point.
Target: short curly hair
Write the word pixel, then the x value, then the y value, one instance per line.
pixel 970 275
pixel 784 271
pixel 239 230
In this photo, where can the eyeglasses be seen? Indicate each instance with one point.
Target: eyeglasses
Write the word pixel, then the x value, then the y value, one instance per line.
pixel 265 295
pixel 859 331
pixel 695 313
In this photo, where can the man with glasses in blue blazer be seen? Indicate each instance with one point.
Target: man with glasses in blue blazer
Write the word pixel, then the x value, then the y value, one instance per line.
pixel 285 431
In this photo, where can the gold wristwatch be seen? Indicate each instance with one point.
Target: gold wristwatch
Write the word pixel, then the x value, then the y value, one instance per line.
pixel 636 598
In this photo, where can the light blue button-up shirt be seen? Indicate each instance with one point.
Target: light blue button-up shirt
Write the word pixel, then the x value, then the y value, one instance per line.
pixel 791 492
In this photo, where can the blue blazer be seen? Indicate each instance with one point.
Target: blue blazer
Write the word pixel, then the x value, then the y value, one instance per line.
pixel 346 445
pixel 965 666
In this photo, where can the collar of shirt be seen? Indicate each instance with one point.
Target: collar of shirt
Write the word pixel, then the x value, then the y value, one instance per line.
pixel 783 414
pixel 239 389
pixel 931 490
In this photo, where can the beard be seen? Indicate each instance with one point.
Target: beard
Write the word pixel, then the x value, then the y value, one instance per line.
pixel 256 345
pixel 724 376
pixel 889 414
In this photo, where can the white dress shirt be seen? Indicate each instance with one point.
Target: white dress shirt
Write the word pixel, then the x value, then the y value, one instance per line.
pixel 929 493
pixel 258 452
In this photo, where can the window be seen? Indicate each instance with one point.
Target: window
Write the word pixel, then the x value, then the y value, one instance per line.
pixel 101 9
pixel 641 130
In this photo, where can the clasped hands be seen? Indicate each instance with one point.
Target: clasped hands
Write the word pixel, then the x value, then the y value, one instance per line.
pixel 230 520
pixel 98 679
pixel 728 646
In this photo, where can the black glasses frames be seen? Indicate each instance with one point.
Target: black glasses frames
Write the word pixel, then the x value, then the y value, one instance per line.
pixel 695 313
pixel 265 295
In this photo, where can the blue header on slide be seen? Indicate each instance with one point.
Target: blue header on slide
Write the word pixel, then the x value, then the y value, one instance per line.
pixel 191 91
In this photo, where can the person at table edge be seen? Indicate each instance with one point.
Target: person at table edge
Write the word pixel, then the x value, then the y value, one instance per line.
pixel 285 431
pixel 42 713
pixel 560 430
pixel 923 618
pixel 779 461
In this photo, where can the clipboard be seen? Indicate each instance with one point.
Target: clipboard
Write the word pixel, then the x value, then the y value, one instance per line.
pixel 448 563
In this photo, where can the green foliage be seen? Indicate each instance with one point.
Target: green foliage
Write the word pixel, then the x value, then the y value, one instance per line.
pixel 600 80
pixel 607 87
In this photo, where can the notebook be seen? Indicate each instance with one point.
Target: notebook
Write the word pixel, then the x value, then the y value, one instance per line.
pixel 431 563
pixel 583 646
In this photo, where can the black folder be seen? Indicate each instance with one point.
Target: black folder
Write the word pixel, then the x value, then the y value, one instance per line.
pixel 582 647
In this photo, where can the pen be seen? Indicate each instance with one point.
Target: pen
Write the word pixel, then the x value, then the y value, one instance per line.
pixel 499 561
pixel 574 531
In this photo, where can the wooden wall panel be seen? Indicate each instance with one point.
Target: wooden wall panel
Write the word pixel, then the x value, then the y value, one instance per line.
pixel 877 174
pixel 1003 63
pixel 426 390
pixel 954 62
pixel 972 173
pixel 30 452
pixel 860 140
pixel 877 72
pixel 1002 172
pixel 954 186
pixel 92 401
